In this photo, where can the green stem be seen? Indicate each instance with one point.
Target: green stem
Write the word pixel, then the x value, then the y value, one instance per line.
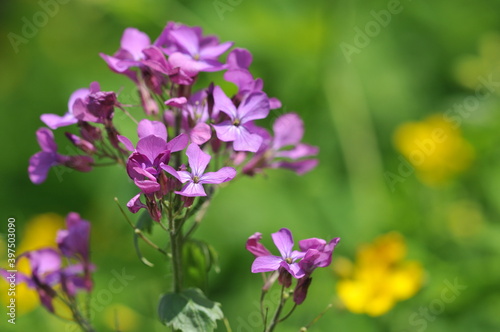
pixel 276 317
pixel 176 248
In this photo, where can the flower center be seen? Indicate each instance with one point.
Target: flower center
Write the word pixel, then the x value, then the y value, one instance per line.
pixel 196 179
pixel 236 122
pixel 196 57
pixel 289 260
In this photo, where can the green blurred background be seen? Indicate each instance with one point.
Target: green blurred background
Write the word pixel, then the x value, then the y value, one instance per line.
pixel 417 65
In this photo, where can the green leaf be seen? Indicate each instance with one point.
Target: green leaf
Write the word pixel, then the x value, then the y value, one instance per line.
pixel 189 310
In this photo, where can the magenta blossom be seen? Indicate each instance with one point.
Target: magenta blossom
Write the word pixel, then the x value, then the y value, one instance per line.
pixel 238 129
pixel 47 268
pixel 288 260
pixel 74 241
pixel 313 253
pixel 41 162
pixel 130 54
pixel 194 116
pixel 285 149
pixel 54 121
pixel 143 165
pixel 238 62
pixel 194 180
pixel 192 52
pixel 255 247
pixel 318 254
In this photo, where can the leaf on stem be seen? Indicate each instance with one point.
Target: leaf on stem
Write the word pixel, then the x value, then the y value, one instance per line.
pixel 189 310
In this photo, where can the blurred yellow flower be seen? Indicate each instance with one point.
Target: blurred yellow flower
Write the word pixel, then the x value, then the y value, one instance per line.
pixel 473 71
pixel 39 232
pixel 435 149
pixel 120 317
pixel 380 277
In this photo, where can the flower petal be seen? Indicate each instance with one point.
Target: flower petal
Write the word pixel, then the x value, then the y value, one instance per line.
pixel 45 139
pixel 170 170
pixel 135 41
pixel 266 264
pixel 187 38
pixel 223 103
pixel 288 130
pixel 214 51
pixel 178 143
pixel 125 141
pixel 255 247
pixel 226 131
pixel 283 240
pixel 253 107
pixel 147 186
pixel 135 204
pixel 192 190
pixel 300 151
pixel 147 127
pixel 239 58
pixel 39 166
pixel 198 160
pixel 223 175
pixel 246 141
pixel 151 146
pixel 201 133
pixel 54 121
pixel 294 269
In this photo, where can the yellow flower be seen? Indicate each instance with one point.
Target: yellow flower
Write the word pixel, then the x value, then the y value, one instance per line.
pixel 380 277
pixel 435 148
pixel 122 317
pixel 39 232
pixel 472 71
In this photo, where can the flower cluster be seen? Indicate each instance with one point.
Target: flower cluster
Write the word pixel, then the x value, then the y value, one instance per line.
pixel 63 271
pixel 190 139
pixel 215 136
pixel 300 265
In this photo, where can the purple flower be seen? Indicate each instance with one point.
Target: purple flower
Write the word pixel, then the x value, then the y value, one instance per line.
pixel 238 61
pixel 129 54
pixel 284 242
pixel 97 106
pixel 194 116
pixel 143 165
pixel 41 162
pixel 255 247
pixel 238 128
pixel 285 150
pixel 194 180
pixel 155 60
pixel 54 121
pixel 318 254
pixel 190 51
pixel 47 270
pixel 74 241
pixel 46 273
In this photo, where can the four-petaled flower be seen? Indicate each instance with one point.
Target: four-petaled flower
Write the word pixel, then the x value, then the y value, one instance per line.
pixel 313 253
pixel 238 129
pixel 284 242
pixel 194 180
pixel 193 52
pixel 41 162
